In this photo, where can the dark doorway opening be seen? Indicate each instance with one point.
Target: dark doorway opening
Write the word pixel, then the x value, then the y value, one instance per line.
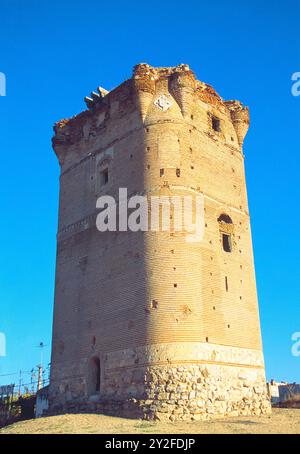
pixel 94 374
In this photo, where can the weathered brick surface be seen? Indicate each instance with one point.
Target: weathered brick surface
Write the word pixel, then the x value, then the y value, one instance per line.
pixel 106 283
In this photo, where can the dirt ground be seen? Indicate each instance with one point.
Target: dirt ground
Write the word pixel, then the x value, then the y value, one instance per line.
pixel 285 421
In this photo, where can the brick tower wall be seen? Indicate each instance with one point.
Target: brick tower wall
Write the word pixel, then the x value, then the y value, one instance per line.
pixel 175 324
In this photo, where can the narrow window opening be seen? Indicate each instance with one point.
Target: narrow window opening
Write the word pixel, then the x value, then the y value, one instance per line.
pixel 162 171
pixel 226 283
pixel 216 124
pixel 94 373
pixel 154 304
pixel 178 172
pixel 226 239
pixel 104 177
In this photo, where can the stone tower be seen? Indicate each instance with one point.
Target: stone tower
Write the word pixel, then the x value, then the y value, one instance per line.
pixel 146 323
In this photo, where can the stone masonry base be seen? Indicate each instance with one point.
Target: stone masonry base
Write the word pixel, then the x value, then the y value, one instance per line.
pixel 181 392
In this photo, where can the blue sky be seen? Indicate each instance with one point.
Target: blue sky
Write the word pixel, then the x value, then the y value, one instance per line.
pixel 53 53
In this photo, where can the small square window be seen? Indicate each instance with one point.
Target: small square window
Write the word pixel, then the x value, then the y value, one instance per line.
pixel 216 124
pixel 103 177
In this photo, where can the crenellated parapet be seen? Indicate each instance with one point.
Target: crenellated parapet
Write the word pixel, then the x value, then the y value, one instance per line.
pixel 182 86
pixel 143 70
pixel 207 94
pixel 68 132
pixel 240 118
pixel 174 92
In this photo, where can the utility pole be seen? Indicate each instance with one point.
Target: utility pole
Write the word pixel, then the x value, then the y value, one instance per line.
pixel 32 377
pixel 40 374
pixel 41 346
pixel 40 367
pixel 20 383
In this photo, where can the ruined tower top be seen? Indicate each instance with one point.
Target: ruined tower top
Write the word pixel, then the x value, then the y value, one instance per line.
pixel 146 81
